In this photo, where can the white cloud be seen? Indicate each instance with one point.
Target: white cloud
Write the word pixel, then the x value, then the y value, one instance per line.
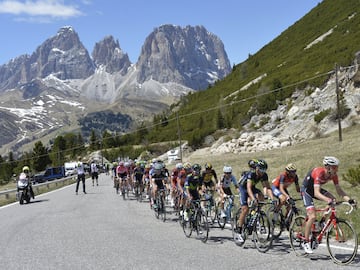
pixel 40 8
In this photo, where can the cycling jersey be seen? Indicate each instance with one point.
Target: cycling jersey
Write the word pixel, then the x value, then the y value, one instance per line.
pixel 192 183
pixel 317 177
pixel 138 173
pixel 182 176
pixel 253 177
pixel 121 171
pixel 226 183
pixel 285 179
pixel 207 176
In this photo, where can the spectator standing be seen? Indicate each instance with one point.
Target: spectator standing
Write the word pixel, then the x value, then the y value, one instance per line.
pixel 94 173
pixel 80 177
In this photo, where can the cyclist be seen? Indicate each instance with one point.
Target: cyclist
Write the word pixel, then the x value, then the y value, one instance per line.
pixel 282 182
pixel 249 191
pixel 224 187
pixel 138 175
pixel 208 175
pixel 174 176
pixel 146 179
pixel 158 179
pixel 187 170
pixel 122 173
pixel 311 188
pixel 192 184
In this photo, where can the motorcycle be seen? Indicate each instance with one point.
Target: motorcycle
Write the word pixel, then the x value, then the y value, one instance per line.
pixel 23 187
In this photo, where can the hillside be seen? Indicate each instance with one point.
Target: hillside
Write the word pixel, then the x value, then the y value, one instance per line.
pixel 301 59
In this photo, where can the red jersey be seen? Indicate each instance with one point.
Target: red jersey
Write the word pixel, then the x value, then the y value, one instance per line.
pixel 284 179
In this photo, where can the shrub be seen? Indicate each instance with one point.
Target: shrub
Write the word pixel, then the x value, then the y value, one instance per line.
pixel 321 115
pixel 353 176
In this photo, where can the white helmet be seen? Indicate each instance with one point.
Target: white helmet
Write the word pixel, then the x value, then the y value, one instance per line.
pixel 179 166
pixel 227 169
pixel 331 161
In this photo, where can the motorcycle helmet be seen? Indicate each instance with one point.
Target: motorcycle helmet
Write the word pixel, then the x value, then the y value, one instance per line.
pixel 26 169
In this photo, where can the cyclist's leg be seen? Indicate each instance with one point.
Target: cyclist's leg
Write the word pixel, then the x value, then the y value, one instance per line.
pixel 244 207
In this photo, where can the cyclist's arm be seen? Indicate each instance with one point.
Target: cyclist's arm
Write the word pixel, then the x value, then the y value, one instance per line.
pixel 249 190
pixel 318 195
pixel 342 193
pixel 266 186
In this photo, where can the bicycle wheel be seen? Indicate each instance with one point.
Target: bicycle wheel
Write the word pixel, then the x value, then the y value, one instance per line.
pixel 202 226
pixel 123 192
pixel 162 211
pixel 342 242
pixel 187 224
pixel 276 219
pixel 297 235
pixel 235 228
pixel 262 232
pixel 221 220
pixel 211 213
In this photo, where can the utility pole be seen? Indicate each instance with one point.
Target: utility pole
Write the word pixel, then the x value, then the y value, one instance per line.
pixel 338 102
pixel 179 134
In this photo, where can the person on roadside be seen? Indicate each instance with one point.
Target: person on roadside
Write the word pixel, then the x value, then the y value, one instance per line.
pixel 80 177
pixel 311 188
pixel 94 173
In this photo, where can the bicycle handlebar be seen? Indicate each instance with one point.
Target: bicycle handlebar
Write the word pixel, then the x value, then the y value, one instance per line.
pixel 333 204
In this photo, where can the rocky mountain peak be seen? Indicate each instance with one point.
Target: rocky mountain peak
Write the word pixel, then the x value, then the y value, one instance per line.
pixel 190 56
pixel 63 56
pixel 109 54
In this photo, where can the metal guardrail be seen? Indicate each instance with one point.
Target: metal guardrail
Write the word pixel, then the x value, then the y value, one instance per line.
pixel 36 187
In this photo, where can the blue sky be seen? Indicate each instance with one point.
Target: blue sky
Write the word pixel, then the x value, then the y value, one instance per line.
pixel 244 26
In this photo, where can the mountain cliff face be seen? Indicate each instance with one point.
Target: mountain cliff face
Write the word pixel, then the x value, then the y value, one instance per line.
pixel 61 79
pixel 63 56
pixel 109 54
pixel 190 56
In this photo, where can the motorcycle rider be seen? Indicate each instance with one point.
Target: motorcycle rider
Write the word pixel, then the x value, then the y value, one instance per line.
pixel 26 173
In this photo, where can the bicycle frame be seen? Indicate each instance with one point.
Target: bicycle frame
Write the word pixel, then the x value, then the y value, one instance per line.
pixel 341 237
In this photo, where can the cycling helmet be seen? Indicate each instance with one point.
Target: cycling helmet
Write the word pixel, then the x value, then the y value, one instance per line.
pixel 26 169
pixel 331 161
pixel 196 167
pixel 208 166
pixel 127 164
pixel 179 166
pixel 290 167
pixel 252 163
pixel 158 166
pixel 121 163
pixel 227 169
pixel 262 165
pixel 187 166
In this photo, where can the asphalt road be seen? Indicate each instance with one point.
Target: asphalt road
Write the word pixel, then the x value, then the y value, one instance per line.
pixel 98 230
